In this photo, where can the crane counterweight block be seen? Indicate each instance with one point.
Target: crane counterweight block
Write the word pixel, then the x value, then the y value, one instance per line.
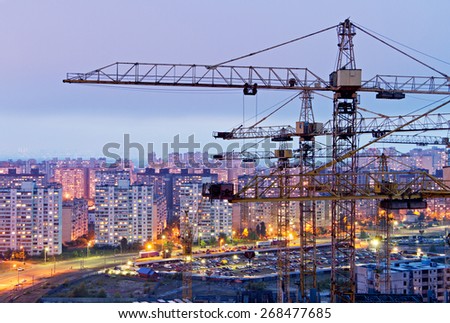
pixel 218 191
pixel 403 204
pixel 391 95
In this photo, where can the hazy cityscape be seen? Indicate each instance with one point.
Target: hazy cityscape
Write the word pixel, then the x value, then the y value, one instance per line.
pixel 63 209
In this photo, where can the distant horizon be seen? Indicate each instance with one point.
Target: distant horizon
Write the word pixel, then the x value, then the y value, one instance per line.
pixel 135 159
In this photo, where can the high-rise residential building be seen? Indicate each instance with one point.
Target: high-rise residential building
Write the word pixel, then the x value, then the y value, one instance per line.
pixel 187 176
pixel 124 211
pixel 112 176
pixel 208 218
pixel 167 183
pixel 159 180
pixel 323 214
pixel 425 277
pixel 31 218
pixel 252 214
pixel 74 219
pixel 160 207
pixel 75 182
pixel 12 178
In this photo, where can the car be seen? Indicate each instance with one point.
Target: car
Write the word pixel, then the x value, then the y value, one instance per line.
pixel 20 269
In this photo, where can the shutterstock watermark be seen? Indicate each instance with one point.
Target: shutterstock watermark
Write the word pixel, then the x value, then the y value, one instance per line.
pixel 188 153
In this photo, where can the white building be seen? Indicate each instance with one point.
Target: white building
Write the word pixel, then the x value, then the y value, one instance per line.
pixel 323 214
pixel 425 277
pixel 208 218
pixel 31 218
pixel 124 211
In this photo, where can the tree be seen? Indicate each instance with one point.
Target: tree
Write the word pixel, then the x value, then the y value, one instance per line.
pixel 363 235
pixel 80 291
pixel 212 241
pixel 135 246
pixel 123 243
pixel 8 253
pixel 421 217
pixel 252 235
pixel 167 248
pixel 263 232
pixel 222 235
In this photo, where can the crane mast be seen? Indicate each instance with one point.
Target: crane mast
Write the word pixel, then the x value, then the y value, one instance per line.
pixel 308 224
pixel 347 80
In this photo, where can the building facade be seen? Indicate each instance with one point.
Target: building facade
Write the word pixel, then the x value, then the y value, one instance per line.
pixel 124 211
pixel 31 218
pixel 74 219
pixel 208 218
pixel 75 182
pixel 425 278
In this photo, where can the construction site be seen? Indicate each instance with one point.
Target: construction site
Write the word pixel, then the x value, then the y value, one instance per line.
pixel 319 162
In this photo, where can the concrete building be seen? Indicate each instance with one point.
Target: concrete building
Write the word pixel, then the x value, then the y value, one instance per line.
pixel 11 178
pixel 168 182
pixel 112 176
pixel 323 214
pixel 208 218
pixel 424 277
pixel 74 219
pixel 31 218
pixel 124 211
pixel 160 206
pixel 75 182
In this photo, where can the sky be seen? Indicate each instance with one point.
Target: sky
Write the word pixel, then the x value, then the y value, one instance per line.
pixel 43 40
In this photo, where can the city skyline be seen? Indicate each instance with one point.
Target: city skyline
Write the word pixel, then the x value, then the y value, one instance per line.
pixel 180 151
pixel 44 118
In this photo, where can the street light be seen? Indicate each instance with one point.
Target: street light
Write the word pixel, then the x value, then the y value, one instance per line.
pixel 376 241
pixel 87 248
pixel 45 254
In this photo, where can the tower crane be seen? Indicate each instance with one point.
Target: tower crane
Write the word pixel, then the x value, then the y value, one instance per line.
pixel 307 130
pixel 344 82
pixel 187 238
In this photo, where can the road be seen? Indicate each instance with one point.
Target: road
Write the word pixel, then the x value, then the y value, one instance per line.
pixel 14 282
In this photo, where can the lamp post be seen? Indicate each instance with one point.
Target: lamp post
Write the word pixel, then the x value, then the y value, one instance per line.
pixel 45 254
pixel 87 248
